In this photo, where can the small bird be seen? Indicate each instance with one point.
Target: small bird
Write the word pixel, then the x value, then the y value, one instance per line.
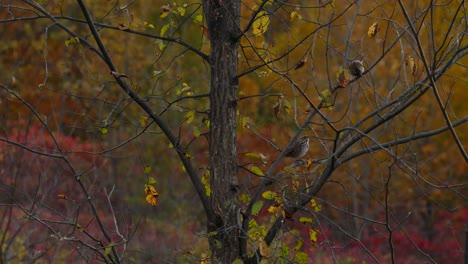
pixel 356 68
pixel 298 149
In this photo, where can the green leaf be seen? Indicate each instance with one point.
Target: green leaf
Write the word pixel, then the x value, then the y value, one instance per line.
pixel 284 252
pixel 207 122
pixel 161 44
pixel 151 180
pixel 196 131
pixel 147 169
pixel 211 234
pixel 104 130
pixel 108 249
pixel 238 261
pixel 325 96
pixel 257 171
pixel 257 207
pixel 287 106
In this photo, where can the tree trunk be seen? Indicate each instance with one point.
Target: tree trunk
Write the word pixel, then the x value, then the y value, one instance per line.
pixel 222 18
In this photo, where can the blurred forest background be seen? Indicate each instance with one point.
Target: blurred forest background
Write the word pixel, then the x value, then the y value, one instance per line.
pixel 64 117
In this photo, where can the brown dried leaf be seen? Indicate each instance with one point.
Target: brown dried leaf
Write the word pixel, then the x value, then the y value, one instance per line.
pixel 278 105
pixel 205 31
pixel 165 9
pixel 410 64
pixel 343 77
pixel 301 63
pixel 263 248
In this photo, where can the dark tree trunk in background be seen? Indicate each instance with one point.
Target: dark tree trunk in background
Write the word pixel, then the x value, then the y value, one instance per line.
pixel 222 18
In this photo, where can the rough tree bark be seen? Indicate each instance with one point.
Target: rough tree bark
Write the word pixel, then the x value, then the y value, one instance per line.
pixel 223 25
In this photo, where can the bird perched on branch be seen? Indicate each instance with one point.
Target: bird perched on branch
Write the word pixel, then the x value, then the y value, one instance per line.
pixel 298 149
pixel 356 68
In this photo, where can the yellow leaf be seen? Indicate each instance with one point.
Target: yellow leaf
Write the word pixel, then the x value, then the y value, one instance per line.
pixel 61 196
pixel 206 183
pixel 295 16
pixel 190 115
pixel 238 261
pixel 185 87
pixel 164 29
pixel 313 235
pixel 298 245
pixel 198 19
pixel 305 220
pixel 251 155
pixel 204 259
pixel 273 209
pixel 409 62
pixel 315 206
pixel 104 130
pixel 245 198
pixel 302 258
pixel 269 195
pixel 151 195
pixel 257 171
pixel 148 25
pixel 181 11
pixel 260 25
pixel 72 41
pixel 373 29
pixel 144 121
pixel 244 121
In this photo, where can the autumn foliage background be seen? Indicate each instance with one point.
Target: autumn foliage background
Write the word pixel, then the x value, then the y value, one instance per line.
pixel 109 140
